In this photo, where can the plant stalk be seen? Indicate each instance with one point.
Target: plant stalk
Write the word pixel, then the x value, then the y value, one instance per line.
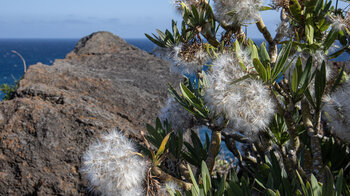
pixel 267 35
pixel 214 149
pixel 315 141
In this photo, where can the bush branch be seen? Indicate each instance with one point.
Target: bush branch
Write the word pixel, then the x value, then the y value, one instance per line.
pixel 163 176
pixel 315 141
pixel 214 149
pixel 267 35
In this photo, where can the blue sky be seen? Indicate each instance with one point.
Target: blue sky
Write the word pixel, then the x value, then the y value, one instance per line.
pixel 78 18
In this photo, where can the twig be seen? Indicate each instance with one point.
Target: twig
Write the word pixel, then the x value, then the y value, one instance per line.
pixel 278 88
pixel 262 28
pixel 236 137
pixel 145 140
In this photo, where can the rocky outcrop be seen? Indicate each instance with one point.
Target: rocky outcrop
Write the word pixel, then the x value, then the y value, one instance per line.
pixel 59 110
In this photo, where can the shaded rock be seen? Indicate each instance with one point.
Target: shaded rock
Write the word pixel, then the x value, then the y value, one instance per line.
pixel 59 110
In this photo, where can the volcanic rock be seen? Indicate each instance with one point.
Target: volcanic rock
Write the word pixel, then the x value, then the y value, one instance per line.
pixel 58 110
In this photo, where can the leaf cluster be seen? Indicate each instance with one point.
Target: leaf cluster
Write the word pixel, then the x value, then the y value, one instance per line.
pixel 9 90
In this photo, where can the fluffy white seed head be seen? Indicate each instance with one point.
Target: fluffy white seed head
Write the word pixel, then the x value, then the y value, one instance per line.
pixel 184 59
pixel 337 111
pixel 319 56
pixel 284 30
pixel 338 23
pixel 247 103
pixel 113 167
pixel 237 12
pixel 179 118
pixel 163 53
pixel 188 59
pixel 188 3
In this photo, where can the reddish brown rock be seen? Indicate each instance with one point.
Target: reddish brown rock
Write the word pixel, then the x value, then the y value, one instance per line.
pixel 59 110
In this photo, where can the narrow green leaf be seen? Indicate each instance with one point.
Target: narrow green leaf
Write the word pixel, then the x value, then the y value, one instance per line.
pixel 259 67
pixel 180 144
pixel 264 55
pixel 181 101
pixel 195 14
pixel 338 53
pixel 178 193
pixel 197 144
pixel 309 98
pixel 268 71
pixel 157 42
pixel 331 37
pixel 305 77
pixel 316 188
pixel 253 49
pixel 237 49
pixel 302 184
pixel 265 8
pixel 206 178
pixel 309 29
pixel 309 189
pixel 320 84
pixel 318 7
pixel 193 179
pixel 270 192
pixel 295 80
pixel 327 188
pixel 170 191
pixel 260 183
pixel 243 78
pixel 339 183
pixel 194 191
pixel 299 66
pixel 221 188
pixel 281 60
pixel 194 101
pixel 162 35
